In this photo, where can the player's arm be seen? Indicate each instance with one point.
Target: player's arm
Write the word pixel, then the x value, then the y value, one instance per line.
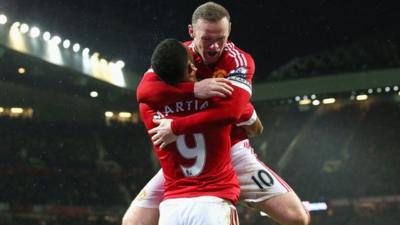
pixel 250 122
pixel 227 110
pixel 147 114
pixel 254 129
pixel 160 92
pixel 222 111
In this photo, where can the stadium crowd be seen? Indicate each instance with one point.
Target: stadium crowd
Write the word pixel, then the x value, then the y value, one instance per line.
pixel 77 173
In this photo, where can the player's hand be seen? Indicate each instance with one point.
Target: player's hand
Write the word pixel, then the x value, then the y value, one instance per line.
pixel 212 87
pixel 253 130
pixel 162 135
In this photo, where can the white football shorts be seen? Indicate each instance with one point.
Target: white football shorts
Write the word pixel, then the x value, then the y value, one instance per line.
pixel 257 181
pixel 198 210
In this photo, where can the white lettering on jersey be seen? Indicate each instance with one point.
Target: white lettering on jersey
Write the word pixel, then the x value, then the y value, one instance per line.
pixel 167 110
pixel 198 153
pixel 179 107
pixel 204 105
pixel 185 106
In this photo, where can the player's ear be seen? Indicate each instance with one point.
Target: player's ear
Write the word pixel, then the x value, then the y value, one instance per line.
pixel 190 30
pixel 230 28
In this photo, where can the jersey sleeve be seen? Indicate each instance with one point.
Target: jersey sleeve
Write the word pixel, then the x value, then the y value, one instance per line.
pixel 248 117
pixel 223 111
pixel 240 65
pixel 146 113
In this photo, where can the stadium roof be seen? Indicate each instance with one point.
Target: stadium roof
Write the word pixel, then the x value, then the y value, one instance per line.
pixel 273 32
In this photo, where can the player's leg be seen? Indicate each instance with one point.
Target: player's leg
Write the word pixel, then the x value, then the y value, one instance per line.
pixel 286 209
pixel 263 189
pixel 214 211
pixel 144 208
pixel 140 216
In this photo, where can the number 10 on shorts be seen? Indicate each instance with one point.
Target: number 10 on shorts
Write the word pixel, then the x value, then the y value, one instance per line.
pixel 263 179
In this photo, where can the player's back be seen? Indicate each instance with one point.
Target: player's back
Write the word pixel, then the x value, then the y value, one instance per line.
pixel 197 164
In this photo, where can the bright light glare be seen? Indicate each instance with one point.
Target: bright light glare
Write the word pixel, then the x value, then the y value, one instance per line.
pixel 21 70
pixel 125 114
pixel 315 206
pixel 120 64
pixel 85 52
pixel 305 102
pixel 95 55
pixel 329 100
pixel 362 97
pixel 3 19
pixel 94 94
pixel 16 38
pixel 35 32
pixel 76 47
pixel 56 40
pixel 109 114
pixel 24 28
pixel 46 36
pixel 316 102
pixel 103 62
pixel 117 77
pixel 17 110
pixel 1 109
pixel 15 25
pixel 66 43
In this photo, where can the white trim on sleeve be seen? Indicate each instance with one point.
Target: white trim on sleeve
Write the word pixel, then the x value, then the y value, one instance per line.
pixel 252 120
pixel 241 85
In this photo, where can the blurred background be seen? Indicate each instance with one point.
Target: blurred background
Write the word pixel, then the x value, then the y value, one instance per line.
pixel 74 151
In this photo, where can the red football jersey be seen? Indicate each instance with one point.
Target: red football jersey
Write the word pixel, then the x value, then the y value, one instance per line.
pixel 233 63
pixel 232 60
pixel 198 163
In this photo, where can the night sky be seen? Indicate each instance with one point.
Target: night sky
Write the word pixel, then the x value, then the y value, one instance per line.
pixel 274 32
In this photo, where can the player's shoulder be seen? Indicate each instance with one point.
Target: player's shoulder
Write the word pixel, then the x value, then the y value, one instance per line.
pixel 234 50
pixel 145 85
pixel 150 75
pixel 147 77
pixel 148 71
pixel 236 55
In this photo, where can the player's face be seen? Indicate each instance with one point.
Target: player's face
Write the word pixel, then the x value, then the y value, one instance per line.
pixel 191 73
pixel 210 38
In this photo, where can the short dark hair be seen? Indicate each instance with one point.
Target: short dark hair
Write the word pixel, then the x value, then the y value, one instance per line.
pixel 170 61
pixel 210 11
